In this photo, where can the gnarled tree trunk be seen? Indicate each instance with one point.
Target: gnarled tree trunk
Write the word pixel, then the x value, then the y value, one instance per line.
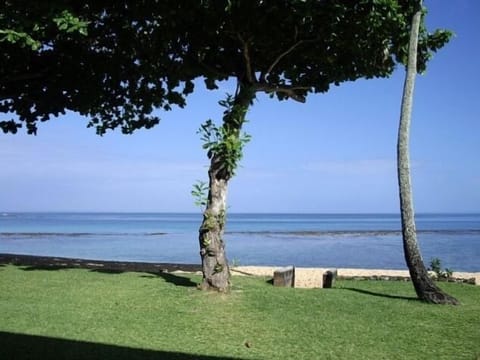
pixel 215 269
pixel 424 286
pixel 216 274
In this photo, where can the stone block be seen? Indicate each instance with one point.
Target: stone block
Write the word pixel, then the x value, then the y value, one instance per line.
pixel 329 278
pixel 284 277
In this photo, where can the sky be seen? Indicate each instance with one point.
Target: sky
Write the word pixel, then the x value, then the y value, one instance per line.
pixel 334 154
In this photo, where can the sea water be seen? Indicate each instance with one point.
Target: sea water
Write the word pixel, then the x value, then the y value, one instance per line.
pixel 310 240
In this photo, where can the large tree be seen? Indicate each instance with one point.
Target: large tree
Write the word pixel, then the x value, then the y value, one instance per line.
pixel 425 288
pixel 287 49
pixel 143 55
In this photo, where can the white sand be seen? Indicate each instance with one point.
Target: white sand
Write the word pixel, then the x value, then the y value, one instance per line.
pixel 313 277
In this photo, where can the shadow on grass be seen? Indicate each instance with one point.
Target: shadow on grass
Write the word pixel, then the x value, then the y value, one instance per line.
pixel 48 263
pixel 45 267
pixel 22 347
pixel 173 279
pixel 372 293
pixel 57 263
pixel 168 277
pixel 109 271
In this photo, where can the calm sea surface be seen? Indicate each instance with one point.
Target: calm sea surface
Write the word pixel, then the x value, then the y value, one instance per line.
pixel 312 240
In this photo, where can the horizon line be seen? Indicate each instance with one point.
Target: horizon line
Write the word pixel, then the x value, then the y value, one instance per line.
pixel 3 213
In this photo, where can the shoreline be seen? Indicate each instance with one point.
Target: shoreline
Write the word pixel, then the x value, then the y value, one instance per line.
pixel 305 277
pixel 55 262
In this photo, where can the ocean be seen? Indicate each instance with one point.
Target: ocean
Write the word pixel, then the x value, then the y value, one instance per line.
pixel 371 241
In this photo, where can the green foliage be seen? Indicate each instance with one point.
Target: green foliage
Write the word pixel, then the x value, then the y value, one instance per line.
pixel 142 56
pixel 67 22
pixel 21 38
pixel 206 241
pixel 226 142
pixel 218 268
pixel 200 193
pixel 436 267
pixel 222 218
pixel 209 222
pixel 116 75
pixel 355 320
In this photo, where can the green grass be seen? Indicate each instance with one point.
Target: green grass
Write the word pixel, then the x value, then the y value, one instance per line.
pixel 82 314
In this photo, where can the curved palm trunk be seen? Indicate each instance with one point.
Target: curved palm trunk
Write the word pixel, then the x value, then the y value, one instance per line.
pixel 216 274
pixel 424 286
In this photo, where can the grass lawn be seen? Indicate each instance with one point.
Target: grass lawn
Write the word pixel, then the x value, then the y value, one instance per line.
pixel 81 314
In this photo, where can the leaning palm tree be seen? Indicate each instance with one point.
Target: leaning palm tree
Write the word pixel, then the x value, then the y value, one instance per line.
pixel 424 286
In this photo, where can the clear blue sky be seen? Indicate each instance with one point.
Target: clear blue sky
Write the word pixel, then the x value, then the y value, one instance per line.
pixel 336 153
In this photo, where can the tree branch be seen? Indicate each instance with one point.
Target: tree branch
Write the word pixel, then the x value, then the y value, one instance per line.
pixel 285 53
pixel 290 91
pixel 248 64
pixel 282 55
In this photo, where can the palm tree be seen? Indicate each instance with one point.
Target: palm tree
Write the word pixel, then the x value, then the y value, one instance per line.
pixel 424 286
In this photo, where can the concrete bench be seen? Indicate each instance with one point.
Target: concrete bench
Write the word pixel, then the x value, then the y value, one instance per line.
pixel 329 278
pixel 284 277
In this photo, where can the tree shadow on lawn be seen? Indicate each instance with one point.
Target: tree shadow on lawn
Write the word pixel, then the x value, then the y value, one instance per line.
pixel 47 263
pixel 168 277
pixel 46 267
pixel 173 279
pixel 23 347
pixel 372 293
pixel 57 263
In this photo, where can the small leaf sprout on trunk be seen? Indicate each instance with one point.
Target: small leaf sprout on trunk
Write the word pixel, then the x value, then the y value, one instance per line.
pixel 199 193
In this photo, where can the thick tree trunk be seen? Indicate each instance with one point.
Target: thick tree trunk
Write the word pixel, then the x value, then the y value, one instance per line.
pixel 216 274
pixel 215 269
pixel 424 286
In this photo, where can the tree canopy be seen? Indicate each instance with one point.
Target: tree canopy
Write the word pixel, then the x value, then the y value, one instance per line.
pixel 118 62
pixel 291 48
pixel 105 72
